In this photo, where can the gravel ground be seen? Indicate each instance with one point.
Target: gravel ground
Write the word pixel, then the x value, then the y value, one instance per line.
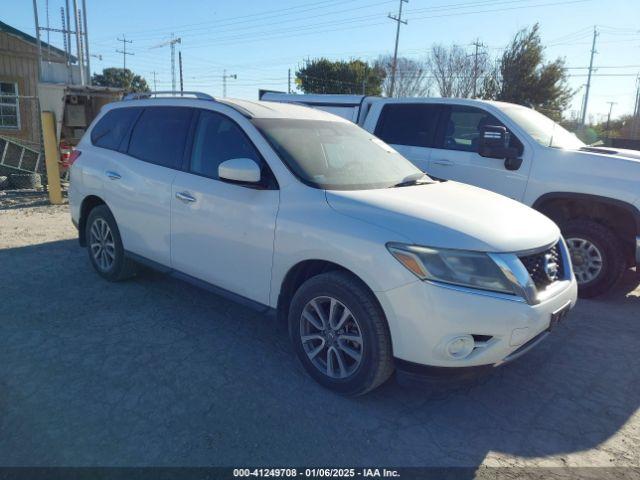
pixel 156 372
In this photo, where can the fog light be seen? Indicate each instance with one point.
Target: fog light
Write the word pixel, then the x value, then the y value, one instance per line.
pixel 460 347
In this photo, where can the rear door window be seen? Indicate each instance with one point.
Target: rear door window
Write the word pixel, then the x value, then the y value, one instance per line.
pixel 114 127
pixel 160 134
pixel 408 124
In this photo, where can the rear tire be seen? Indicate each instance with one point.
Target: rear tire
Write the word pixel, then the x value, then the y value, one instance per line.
pixel 351 328
pixel 104 246
pixel 596 254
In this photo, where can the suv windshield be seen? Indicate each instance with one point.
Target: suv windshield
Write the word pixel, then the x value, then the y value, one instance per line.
pixel 543 130
pixel 337 156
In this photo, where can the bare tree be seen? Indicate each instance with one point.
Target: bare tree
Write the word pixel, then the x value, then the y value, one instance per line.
pixel 455 71
pixel 412 77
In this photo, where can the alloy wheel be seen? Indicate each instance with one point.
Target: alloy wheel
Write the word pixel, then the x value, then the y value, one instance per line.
pixel 331 337
pixel 102 246
pixel 586 259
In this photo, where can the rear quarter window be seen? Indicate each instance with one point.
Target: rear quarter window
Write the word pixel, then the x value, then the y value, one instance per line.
pixel 113 127
pixel 408 124
pixel 159 135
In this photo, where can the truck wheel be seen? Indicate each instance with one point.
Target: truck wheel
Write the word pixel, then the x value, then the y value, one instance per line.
pixel 596 255
pixel 340 334
pixel 104 246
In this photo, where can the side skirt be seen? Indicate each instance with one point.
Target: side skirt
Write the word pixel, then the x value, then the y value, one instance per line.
pixel 247 302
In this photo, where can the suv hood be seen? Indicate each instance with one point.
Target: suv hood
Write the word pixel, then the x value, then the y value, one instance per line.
pixel 449 215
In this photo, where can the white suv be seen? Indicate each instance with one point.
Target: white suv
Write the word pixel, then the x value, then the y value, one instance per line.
pixel 374 265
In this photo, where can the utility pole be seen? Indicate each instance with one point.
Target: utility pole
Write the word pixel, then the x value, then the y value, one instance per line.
pixel 224 82
pixel 478 44
pixel 172 43
pixel 86 41
pixel 124 51
pixel 180 65
pixel 68 27
pixel 35 17
pixel 76 15
pixel 611 104
pixel 586 93
pixel 289 81
pixel 635 133
pixel 398 20
pixel 155 86
pixel 46 7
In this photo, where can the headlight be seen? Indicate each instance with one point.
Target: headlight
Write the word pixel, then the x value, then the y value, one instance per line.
pixel 456 267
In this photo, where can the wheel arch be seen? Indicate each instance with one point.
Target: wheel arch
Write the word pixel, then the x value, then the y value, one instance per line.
pixel 303 271
pixel 621 217
pixel 88 203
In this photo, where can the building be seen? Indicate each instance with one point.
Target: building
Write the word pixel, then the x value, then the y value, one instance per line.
pixel 19 113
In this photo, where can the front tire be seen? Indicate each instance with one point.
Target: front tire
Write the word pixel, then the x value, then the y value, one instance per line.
pixel 340 334
pixel 104 246
pixel 596 255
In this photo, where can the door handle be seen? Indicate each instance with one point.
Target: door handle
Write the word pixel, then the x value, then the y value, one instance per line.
pixel 186 197
pixel 443 162
pixel 112 175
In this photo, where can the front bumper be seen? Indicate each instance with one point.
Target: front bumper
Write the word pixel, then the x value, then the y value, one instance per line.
pixel 424 316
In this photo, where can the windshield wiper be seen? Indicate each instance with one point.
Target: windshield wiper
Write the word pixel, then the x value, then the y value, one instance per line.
pixel 409 181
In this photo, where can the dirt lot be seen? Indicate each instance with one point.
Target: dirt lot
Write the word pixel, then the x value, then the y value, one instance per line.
pixel 157 372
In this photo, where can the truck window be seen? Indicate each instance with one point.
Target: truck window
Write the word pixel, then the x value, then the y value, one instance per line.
pixel 462 126
pixel 408 124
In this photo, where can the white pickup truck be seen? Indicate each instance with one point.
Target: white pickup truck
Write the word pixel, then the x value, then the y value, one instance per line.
pixel 592 193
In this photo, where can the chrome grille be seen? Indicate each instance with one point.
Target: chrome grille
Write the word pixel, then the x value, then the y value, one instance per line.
pixel 544 267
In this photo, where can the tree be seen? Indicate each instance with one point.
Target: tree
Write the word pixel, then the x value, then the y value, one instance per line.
pixel 454 70
pixel 120 78
pixel 412 77
pixel 524 78
pixel 353 76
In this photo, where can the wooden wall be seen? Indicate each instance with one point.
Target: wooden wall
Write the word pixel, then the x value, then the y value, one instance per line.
pixel 19 63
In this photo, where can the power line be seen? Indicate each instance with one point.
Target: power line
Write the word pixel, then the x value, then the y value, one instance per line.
pixel 290 32
pixel 265 15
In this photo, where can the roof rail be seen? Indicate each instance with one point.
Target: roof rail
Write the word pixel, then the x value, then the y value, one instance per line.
pixel 169 93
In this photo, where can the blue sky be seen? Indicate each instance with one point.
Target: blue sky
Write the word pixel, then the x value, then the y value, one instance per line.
pixel 260 40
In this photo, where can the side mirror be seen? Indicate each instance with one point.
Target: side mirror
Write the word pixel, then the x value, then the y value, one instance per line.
pixel 242 170
pixel 494 143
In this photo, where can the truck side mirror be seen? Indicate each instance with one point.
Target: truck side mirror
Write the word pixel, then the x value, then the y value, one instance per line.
pixel 494 143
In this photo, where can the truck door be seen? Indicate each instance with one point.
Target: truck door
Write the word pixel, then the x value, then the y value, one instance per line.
pixel 456 154
pixel 410 128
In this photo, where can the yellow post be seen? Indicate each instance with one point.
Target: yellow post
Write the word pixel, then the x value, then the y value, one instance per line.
pixel 51 155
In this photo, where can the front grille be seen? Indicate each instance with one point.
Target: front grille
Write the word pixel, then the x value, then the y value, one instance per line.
pixel 540 266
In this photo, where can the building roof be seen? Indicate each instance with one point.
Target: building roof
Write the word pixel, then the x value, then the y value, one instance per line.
pixel 33 40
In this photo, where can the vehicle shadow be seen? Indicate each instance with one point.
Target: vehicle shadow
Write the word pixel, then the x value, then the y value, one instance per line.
pixel 154 371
